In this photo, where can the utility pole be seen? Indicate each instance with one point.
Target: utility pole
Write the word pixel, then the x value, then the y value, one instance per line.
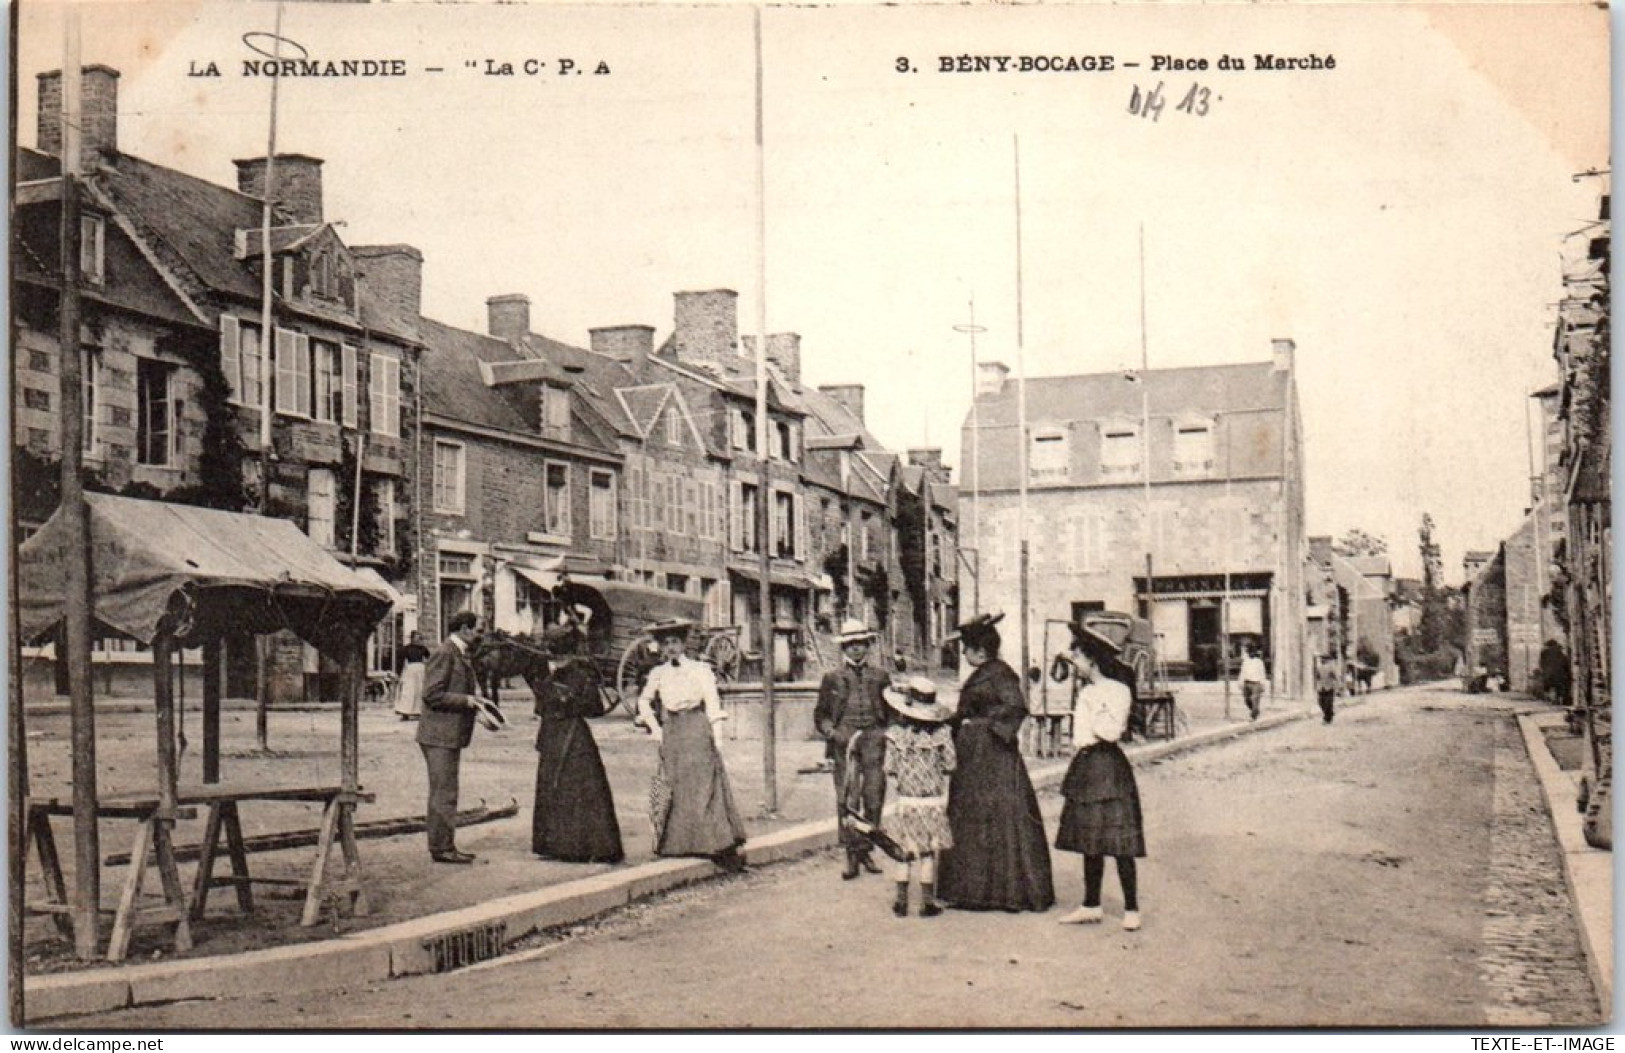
pixel 263 646
pixel 87 867
pixel 1145 446
pixel 1021 430
pixel 971 329
pixel 770 782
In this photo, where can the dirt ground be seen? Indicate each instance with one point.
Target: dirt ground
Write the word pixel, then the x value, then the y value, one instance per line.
pixel 1394 869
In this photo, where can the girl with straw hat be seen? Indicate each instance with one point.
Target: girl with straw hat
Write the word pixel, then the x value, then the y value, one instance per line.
pixel 919 757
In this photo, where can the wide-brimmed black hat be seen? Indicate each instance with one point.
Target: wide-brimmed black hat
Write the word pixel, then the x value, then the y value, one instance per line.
pixel 1095 644
pixel 978 628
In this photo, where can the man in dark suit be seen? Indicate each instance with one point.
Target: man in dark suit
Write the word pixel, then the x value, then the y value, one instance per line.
pixel 450 705
pixel 851 716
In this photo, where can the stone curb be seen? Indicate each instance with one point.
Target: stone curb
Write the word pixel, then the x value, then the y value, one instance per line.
pixel 401 949
pixel 1588 872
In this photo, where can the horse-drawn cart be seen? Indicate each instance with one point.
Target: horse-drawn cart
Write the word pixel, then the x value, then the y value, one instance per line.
pixel 605 622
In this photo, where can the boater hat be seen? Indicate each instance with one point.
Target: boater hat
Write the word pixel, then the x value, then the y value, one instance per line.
pixel 854 631
pixel 669 627
pixel 1095 644
pixel 916 698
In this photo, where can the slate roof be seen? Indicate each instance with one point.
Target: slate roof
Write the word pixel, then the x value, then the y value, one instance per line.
pixel 1099 396
pixel 449 371
pixel 190 226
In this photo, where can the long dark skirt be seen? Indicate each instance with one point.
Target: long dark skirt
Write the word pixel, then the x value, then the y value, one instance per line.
pixel 1000 858
pixel 699 815
pixel 1102 812
pixel 574 818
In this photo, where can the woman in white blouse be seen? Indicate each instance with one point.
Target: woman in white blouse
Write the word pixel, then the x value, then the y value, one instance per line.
pixel 691 802
pixel 1102 813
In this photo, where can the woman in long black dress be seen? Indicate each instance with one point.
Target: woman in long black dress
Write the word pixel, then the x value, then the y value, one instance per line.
pixel 574 818
pixel 1000 858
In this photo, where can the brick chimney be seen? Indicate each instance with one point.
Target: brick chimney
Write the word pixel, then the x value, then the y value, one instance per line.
pixel 783 350
pixel 296 184
pixel 990 378
pixel 929 458
pixel 706 326
pixel 1281 355
pixel 98 100
pixel 632 344
pixel 393 273
pixel 848 395
pixel 507 317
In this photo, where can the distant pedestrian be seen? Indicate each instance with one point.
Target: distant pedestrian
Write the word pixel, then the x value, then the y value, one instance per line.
pixel 409 689
pixel 1254 676
pixel 1000 859
pixel 1554 673
pixel 851 717
pixel 1101 816
pixel 691 802
pixel 451 705
pixel 919 759
pixel 1327 683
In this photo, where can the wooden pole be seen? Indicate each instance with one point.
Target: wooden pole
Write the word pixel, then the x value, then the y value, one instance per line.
pixel 263 650
pixel 212 674
pixel 350 714
pixel 770 781
pixel 17 812
pixel 1021 430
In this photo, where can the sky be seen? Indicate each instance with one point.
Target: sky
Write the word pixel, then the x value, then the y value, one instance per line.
pixel 1400 216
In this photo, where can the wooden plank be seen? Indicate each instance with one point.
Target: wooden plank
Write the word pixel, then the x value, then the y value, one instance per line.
pixel 170 877
pixel 119 944
pixel 204 879
pixel 239 858
pixel 44 840
pixel 318 873
pixel 359 904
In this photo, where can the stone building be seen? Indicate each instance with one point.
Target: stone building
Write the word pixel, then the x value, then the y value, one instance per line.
pixel 1222 515
pixel 178 375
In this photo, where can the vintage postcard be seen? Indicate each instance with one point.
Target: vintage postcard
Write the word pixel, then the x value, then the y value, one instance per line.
pixel 633 516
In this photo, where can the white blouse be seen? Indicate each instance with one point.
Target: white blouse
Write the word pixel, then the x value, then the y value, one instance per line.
pixel 686 685
pixel 1100 712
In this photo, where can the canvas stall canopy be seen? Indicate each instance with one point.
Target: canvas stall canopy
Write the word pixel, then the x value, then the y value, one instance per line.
pixel 196 573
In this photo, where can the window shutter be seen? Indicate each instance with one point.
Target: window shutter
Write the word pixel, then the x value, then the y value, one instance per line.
pixel 375 392
pixel 230 336
pixel 301 365
pixel 801 526
pixel 287 376
pixel 352 384
pixel 736 517
pixel 392 396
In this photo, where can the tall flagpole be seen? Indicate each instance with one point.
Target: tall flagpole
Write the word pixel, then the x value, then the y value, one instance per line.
pixel 1021 428
pixel 262 707
pixel 1145 445
pixel 971 329
pixel 770 787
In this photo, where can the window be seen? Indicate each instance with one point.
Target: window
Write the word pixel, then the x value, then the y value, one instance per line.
pixel 556 509
pixel 1119 451
pixel 385 395
pixel 674 427
pixel 91 245
pixel 786 445
pixel 677 583
pixel 556 413
pixel 744 426
pixel 863 535
pixel 329 383
pixel 157 412
pixel 240 360
pixel 90 384
pixel 637 479
pixel 384 499
pixel 292 373
pixel 744 526
pixel 1048 455
pixel 321 276
pixel 601 505
pixel 784 518
pixel 448 477
pixel 1193 448
pixel 320 506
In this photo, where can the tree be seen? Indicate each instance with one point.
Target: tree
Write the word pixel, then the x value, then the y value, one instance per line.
pixel 1433 628
pixel 1359 543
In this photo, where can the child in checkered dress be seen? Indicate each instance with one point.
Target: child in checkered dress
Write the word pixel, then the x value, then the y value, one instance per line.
pixel 919 756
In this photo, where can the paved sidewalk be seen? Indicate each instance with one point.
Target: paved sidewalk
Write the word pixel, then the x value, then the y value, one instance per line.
pixel 421 910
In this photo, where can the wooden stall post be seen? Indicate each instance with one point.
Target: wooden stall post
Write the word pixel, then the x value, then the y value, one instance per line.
pixel 339 819
pixel 212 674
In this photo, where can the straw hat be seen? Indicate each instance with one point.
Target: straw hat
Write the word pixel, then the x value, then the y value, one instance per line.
pixel 854 631
pixel 1095 644
pixel 669 627
pixel 916 698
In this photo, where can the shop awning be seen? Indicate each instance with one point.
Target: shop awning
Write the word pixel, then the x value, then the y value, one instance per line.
pixel 398 600
pixel 543 573
pixel 791 579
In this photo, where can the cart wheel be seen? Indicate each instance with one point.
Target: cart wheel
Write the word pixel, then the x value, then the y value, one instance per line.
pixel 723 654
pixel 630 672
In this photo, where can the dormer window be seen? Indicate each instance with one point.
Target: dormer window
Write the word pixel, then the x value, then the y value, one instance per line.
pixel 674 427
pixel 321 276
pixel 1120 451
pixel 92 243
pixel 556 413
pixel 1049 455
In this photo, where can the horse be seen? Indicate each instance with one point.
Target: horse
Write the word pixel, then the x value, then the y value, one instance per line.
pixel 499 655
